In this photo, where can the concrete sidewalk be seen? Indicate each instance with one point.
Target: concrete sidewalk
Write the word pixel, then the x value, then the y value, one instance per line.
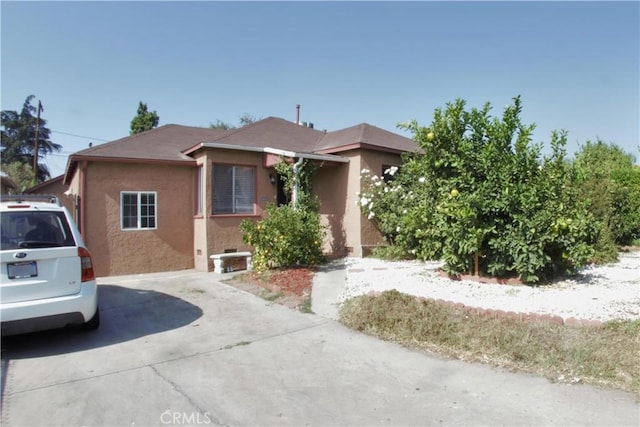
pixel 328 282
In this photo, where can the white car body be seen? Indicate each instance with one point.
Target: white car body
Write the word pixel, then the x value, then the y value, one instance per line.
pixel 46 278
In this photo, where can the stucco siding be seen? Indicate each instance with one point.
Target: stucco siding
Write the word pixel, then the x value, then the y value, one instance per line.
pixel 352 217
pixel 116 251
pixel 223 231
pixel 374 162
pixel 57 188
pixel 330 185
pixel 200 255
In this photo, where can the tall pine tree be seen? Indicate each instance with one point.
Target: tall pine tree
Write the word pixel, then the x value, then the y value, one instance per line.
pixel 144 120
pixel 18 142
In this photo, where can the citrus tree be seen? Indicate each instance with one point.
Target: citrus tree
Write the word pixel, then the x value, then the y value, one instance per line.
pixel 483 198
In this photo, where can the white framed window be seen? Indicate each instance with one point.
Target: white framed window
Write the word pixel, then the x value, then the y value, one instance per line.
pixel 234 189
pixel 138 210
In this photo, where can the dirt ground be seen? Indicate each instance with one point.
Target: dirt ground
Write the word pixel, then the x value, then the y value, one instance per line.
pixel 290 287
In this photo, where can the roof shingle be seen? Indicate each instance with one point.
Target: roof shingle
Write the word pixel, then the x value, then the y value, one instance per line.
pixel 367 135
pixel 172 143
pixel 163 143
pixel 275 133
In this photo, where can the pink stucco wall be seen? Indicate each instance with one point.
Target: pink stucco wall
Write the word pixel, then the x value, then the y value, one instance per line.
pixel 116 251
pixel 57 188
pixel 330 185
pixel 368 233
pixel 183 240
pixel 223 231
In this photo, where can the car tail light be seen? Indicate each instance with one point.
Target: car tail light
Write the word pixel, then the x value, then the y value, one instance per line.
pixel 87 265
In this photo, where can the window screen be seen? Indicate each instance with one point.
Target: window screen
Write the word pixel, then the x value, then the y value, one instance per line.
pixel 233 189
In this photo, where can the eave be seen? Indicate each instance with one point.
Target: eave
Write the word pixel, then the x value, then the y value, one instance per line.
pixel 270 150
pixel 361 146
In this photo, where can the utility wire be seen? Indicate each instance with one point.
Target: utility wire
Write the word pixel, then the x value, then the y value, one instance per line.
pixel 79 136
pixel 60 154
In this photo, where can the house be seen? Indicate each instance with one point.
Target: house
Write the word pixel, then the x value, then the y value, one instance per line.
pixel 168 198
pixel 56 187
pixel 7 186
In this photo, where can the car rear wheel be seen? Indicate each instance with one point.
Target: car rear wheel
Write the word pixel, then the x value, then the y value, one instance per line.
pixel 93 323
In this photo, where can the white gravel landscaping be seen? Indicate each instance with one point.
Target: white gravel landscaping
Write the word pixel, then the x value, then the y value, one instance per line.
pixel 599 293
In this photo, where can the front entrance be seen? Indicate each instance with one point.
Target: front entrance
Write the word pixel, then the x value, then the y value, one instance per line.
pixel 283 198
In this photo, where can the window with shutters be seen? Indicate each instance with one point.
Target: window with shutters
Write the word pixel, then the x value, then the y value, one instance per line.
pixel 234 189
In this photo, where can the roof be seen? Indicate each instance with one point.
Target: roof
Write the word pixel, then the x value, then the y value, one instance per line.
pixel 273 132
pixel 364 135
pixel 281 134
pixel 45 184
pixel 163 144
pixel 174 143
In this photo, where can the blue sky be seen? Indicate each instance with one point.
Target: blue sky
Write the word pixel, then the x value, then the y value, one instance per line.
pixel 575 64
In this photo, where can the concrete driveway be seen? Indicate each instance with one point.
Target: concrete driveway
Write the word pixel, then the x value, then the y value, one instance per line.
pixel 184 349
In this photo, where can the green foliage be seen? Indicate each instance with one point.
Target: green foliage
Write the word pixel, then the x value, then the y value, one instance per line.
pixel 390 253
pixel 303 177
pixel 17 140
pixel 21 174
pixel 244 120
pixel 290 235
pixel 247 119
pixel 481 192
pixel 609 181
pixel 286 237
pixel 144 120
pixel 219 124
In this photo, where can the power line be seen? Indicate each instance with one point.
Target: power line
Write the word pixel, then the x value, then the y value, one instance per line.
pixel 60 154
pixel 79 136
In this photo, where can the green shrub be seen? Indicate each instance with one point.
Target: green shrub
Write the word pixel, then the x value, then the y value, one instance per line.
pixel 610 183
pixel 290 235
pixel 286 237
pixel 481 194
pixel 390 253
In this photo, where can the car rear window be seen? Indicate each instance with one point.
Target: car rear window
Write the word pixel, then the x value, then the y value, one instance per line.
pixel 35 229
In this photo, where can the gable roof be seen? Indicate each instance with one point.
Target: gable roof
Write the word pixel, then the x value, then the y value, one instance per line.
pixel 364 135
pixel 43 185
pixel 273 132
pixel 162 144
pixel 174 143
pixel 282 134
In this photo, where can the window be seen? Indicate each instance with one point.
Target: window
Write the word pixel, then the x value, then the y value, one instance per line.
pixel 234 189
pixel 388 171
pixel 138 210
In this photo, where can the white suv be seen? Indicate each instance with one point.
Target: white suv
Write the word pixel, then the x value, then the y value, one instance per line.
pixel 47 279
